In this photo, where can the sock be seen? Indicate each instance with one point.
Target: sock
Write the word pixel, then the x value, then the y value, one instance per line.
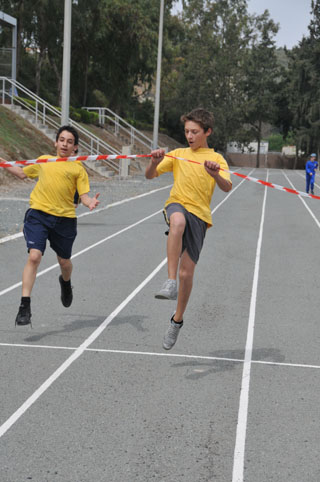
pixel 25 300
pixel 180 323
pixel 66 283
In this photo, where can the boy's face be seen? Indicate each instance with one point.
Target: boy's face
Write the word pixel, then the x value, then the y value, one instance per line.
pixel 65 144
pixel 195 135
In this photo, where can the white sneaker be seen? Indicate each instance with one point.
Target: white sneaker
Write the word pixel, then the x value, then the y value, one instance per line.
pixel 171 335
pixel 168 291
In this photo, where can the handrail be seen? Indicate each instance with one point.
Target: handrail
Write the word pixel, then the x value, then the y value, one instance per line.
pixel 131 131
pixel 48 115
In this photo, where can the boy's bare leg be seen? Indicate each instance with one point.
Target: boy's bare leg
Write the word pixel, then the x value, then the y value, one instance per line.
pixel 174 243
pixel 30 271
pixel 66 268
pixel 186 272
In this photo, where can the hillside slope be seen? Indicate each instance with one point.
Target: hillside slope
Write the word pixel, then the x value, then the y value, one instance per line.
pixel 19 140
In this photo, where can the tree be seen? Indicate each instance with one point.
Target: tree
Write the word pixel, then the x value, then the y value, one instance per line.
pixel 209 65
pixel 261 78
pixel 303 91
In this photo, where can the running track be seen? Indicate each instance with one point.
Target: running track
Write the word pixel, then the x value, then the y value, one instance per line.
pixel 89 395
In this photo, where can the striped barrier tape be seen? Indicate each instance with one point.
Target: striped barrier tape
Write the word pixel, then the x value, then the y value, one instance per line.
pixel 258 181
pixel 135 156
pixel 100 157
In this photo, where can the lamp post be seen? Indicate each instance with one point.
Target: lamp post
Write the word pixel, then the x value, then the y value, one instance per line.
pixel 65 101
pixel 158 80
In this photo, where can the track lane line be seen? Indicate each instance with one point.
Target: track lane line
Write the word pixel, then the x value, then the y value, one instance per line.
pixel 239 450
pixel 160 354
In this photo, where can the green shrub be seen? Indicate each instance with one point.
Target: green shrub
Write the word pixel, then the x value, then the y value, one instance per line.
pixel 276 142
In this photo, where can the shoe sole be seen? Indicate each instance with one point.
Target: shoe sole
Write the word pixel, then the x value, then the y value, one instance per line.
pixel 23 324
pixel 167 347
pixel 163 297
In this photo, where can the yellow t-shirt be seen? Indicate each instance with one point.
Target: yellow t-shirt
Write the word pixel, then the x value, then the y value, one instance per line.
pixel 56 186
pixel 193 186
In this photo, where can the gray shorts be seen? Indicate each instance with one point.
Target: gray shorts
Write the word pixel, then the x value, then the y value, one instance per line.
pixel 194 232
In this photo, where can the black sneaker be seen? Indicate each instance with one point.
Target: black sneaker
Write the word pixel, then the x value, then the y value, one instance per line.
pixel 66 292
pixel 24 315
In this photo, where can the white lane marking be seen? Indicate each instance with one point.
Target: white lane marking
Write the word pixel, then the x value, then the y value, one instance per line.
pixel 239 451
pixel 3 292
pixel 165 354
pixel 14 199
pixel 77 353
pixel 117 203
pixel 10 237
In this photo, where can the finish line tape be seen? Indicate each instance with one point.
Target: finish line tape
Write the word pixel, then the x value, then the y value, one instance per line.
pixel 258 181
pixel 102 157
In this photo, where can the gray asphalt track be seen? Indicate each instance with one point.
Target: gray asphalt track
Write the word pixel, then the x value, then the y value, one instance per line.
pixel 89 394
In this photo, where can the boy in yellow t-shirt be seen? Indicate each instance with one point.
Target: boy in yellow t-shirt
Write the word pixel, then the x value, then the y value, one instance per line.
pixel 52 216
pixel 187 211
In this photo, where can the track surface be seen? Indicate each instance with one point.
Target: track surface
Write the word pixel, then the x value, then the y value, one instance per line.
pixel 89 394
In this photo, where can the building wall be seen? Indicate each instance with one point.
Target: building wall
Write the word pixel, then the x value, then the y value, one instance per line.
pixel 272 160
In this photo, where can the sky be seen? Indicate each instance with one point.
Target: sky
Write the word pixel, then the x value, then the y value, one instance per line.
pixel 293 17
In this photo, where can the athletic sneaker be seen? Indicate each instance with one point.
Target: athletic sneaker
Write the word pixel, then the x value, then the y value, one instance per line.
pixel 168 291
pixel 66 292
pixel 24 315
pixel 171 335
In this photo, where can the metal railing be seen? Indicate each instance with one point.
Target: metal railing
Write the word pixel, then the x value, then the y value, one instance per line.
pixel 46 115
pixel 121 126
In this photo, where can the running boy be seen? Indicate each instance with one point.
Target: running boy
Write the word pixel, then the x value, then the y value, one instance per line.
pixel 187 211
pixel 52 217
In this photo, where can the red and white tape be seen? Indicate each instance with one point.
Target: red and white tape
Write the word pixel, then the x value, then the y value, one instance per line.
pixel 258 181
pixel 99 157
pixel 135 156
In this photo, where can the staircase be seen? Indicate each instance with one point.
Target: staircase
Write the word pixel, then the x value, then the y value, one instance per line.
pixel 122 130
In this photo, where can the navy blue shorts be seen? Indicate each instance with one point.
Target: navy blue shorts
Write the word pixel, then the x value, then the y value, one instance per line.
pixel 40 227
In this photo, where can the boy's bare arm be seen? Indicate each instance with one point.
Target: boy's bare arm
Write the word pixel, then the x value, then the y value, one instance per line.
pixel 151 169
pixel 213 169
pixel 16 170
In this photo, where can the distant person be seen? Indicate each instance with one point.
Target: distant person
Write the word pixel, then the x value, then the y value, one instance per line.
pixel 187 211
pixel 311 167
pixel 52 216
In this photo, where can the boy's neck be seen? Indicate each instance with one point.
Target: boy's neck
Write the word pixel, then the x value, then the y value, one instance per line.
pixel 200 147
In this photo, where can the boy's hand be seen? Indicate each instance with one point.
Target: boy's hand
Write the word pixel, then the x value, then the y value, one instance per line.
pixel 94 202
pixel 212 168
pixel 157 156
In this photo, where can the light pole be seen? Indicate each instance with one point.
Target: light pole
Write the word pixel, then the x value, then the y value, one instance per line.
pixel 158 80
pixel 65 101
